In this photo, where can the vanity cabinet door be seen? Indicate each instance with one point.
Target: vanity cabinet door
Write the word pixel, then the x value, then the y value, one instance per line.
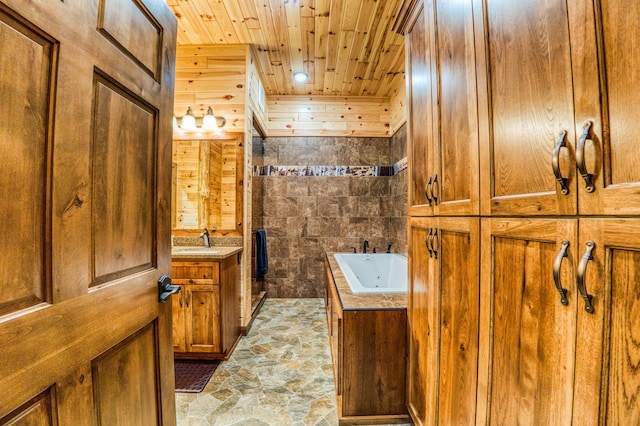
pixel 202 317
pixel 178 320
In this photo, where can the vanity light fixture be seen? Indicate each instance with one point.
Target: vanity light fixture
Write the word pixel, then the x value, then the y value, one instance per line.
pixel 188 121
pixel 300 76
pixel 209 122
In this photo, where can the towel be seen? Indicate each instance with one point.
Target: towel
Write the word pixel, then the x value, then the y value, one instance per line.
pixel 262 262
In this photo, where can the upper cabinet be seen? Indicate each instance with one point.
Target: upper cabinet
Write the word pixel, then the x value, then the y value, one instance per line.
pixel 604 45
pixel 443 118
pixel 559 107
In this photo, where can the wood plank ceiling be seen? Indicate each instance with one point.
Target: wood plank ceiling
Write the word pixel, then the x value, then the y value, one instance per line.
pixel 347 47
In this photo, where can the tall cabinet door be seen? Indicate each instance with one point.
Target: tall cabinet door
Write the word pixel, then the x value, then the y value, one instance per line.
pixel 607 110
pixel 455 174
pixel 420 88
pixel 443 320
pixel 423 322
pixel 529 101
pixel 607 389
pixel 457 246
pixel 528 333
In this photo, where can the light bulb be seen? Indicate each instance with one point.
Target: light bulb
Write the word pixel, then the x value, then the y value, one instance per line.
pixel 188 121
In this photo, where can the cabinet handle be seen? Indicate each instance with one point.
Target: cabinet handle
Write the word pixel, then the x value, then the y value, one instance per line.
pixel 555 162
pixel 180 300
pixel 427 191
pixel 187 297
pixel 582 268
pixel 557 264
pixel 434 183
pixel 427 242
pixel 580 162
pixel 435 246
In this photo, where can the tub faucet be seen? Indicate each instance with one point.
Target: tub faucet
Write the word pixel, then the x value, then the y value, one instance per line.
pixel 389 247
pixel 205 237
pixel 365 246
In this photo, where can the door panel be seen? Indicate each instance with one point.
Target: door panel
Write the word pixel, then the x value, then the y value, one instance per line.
pixel 608 349
pixel 456 157
pixel 203 318
pixel 423 322
pixel 606 81
pixel 459 255
pixel 87 132
pixel 125 370
pixel 122 182
pixel 27 73
pixel 528 110
pixel 531 336
pixel 420 132
pixel 38 411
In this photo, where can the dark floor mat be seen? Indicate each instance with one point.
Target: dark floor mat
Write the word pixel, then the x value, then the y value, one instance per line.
pixel 193 376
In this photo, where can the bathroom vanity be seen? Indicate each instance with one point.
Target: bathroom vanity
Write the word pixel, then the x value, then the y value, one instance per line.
pixel 367 336
pixel 206 313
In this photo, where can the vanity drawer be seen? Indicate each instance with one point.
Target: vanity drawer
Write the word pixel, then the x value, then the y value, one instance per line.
pixel 195 272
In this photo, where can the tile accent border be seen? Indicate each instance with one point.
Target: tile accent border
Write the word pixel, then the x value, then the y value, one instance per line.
pixel 343 171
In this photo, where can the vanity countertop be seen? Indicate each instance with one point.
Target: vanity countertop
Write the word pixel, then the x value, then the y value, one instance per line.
pixel 203 253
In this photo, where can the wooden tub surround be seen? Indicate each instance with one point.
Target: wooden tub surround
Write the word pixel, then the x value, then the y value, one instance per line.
pixel 367 334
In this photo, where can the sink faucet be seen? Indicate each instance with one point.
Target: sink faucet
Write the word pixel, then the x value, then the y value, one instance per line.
pixel 365 246
pixel 205 237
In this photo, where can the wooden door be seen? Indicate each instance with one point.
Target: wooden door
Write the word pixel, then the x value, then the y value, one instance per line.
pixel 85 135
pixel 529 102
pixel 607 108
pixel 607 379
pixel 455 179
pixel 420 88
pixel 423 322
pixel 203 318
pixel 458 249
pixel 528 335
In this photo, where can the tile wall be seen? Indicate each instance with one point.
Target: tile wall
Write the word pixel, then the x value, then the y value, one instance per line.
pixel 307 211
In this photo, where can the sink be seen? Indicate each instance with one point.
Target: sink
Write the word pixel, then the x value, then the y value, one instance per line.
pixel 196 249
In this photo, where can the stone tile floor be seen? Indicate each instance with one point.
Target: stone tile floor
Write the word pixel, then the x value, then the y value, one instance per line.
pixel 279 374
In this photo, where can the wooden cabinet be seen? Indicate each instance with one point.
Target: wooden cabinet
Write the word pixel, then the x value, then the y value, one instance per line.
pixel 443 317
pixel 559 178
pixel 443 119
pixel 559 105
pixel 206 318
pixel 368 349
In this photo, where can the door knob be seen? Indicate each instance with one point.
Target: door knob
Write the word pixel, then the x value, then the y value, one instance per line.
pixel 165 289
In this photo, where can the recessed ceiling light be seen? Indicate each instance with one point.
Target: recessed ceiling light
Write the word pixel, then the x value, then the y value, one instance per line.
pixel 300 76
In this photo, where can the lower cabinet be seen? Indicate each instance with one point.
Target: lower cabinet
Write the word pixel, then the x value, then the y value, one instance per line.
pixel 443 319
pixel 368 348
pixel 550 337
pixel 206 317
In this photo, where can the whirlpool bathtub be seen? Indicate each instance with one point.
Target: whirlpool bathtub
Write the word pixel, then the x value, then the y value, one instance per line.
pixel 374 273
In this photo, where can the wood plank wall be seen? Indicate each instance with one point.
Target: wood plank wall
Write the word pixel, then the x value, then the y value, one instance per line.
pixel 328 116
pixel 216 76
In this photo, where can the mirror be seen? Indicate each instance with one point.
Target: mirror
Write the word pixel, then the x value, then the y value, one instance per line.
pixel 207 186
